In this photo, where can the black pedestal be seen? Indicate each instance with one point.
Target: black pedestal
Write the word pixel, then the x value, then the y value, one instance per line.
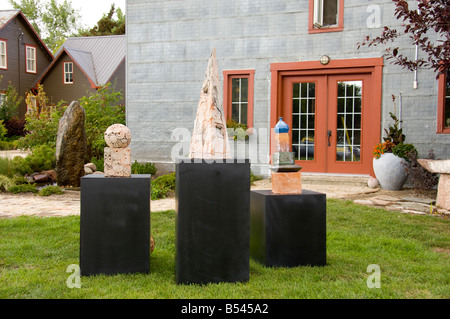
pixel 212 241
pixel 288 230
pixel 115 225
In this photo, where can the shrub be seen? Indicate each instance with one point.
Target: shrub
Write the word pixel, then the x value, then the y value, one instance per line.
pixel 162 186
pixel 42 158
pixel 421 178
pixel 5 183
pixel 15 127
pixel 42 129
pixel 23 188
pixel 3 131
pixel 10 103
pixel 7 167
pixel 143 168
pixel 402 150
pixel 50 190
pixel 102 110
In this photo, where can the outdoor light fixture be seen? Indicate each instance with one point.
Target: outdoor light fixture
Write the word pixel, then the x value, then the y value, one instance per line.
pixel 325 59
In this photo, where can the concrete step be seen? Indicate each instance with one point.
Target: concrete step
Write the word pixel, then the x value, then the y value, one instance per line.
pixel 336 179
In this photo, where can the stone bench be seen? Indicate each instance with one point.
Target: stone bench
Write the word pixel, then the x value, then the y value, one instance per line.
pixel 441 167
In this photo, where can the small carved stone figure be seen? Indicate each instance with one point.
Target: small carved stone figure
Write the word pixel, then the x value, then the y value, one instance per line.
pixel 118 154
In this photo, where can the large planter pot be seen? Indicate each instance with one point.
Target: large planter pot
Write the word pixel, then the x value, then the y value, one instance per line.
pixel 390 170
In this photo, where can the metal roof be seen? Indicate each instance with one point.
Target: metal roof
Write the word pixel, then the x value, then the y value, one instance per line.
pixel 6 15
pixel 98 56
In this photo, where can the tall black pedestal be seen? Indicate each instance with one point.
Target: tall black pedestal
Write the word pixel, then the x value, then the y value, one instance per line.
pixel 212 241
pixel 288 230
pixel 115 225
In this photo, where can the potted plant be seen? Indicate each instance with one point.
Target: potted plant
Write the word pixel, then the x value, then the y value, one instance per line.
pixel 390 160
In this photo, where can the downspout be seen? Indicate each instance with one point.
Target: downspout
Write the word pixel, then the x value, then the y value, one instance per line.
pixel 400 111
pixel 417 57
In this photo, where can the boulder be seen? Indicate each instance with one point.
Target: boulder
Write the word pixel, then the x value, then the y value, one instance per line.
pixel 71 146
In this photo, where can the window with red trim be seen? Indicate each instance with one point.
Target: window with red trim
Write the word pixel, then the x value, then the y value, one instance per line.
pixel 444 103
pixel 30 53
pixel 326 16
pixel 68 72
pixel 238 96
pixel 3 55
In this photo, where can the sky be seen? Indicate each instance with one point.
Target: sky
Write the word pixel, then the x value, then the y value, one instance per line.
pixel 90 10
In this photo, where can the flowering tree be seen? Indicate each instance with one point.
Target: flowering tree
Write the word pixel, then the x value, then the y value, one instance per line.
pixel 431 16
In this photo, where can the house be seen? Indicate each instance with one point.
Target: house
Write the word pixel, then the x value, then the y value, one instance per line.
pixel 23 55
pixel 82 65
pixel 279 58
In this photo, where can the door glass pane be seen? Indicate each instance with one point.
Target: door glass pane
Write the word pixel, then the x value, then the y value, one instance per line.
pixel 303 120
pixel 348 144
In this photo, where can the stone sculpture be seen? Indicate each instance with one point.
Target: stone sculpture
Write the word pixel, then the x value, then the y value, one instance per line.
pixel 210 138
pixel 71 146
pixel 441 167
pixel 118 154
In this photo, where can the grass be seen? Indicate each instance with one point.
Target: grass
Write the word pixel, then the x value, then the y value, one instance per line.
pixel 412 252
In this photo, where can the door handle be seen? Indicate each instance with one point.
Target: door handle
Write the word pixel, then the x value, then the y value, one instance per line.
pixel 329 136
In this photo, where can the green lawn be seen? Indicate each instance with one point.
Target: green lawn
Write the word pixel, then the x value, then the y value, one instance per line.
pixel 411 251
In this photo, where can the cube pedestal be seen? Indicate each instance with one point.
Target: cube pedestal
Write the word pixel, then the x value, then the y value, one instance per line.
pixel 115 225
pixel 288 230
pixel 212 241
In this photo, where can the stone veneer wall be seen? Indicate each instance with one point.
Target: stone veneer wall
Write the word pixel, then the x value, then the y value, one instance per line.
pixel 169 43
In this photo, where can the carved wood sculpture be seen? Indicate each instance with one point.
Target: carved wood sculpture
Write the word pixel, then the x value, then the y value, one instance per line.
pixel 210 138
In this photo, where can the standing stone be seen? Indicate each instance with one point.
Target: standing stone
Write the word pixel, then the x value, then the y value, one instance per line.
pixel 210 138
pixel 71 146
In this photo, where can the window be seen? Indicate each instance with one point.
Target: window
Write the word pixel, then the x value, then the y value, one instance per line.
pixel 30 59
pixel 68 73
pixel 3 55
pixel 326 15
pixel 238 96
pixel 444 103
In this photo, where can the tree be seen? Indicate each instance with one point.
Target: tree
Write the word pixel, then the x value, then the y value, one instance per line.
pixel 432 16
pixel 53 22
pixel 107 25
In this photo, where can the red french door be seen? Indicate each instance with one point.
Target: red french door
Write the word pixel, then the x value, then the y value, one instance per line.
pixel 330 120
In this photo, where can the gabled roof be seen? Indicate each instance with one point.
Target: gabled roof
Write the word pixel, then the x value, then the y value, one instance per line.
pixel 7 16
pixel 107 53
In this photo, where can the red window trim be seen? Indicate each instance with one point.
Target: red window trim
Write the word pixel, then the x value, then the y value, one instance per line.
pixel 227 78
pixel 338 28
pixel 64 74
pixel 26 58
pixel 441 129
pixel 6 47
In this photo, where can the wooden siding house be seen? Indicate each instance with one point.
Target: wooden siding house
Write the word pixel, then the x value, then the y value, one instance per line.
pixel 82 65
pixel 23 55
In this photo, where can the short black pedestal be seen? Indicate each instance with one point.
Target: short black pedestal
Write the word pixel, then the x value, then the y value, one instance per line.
pixel 212 241
pixel 288 230
pixel 115 225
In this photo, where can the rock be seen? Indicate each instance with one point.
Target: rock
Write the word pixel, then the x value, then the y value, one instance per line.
pixel 87 170
pixel 210 137
pixel 71 146
pixel 43 177
pixel 152 244
pixel 373 182
pixel 91 166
